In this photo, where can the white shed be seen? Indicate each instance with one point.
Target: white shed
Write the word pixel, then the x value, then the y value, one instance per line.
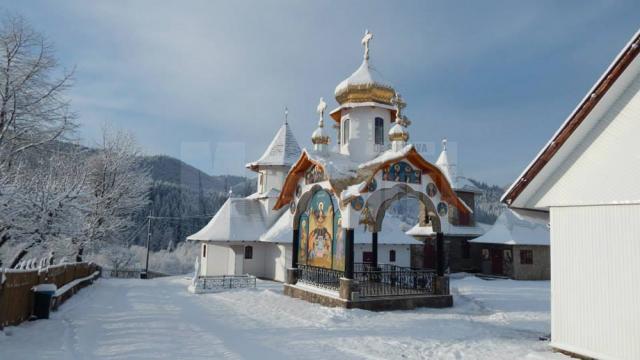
pixel 587 177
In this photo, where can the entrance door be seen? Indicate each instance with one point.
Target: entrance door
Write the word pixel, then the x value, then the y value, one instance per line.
pixel 429 256
pixel 367 257
pixel 496 261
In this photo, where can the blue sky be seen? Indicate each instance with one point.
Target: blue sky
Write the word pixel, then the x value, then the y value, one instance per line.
pixel 207 81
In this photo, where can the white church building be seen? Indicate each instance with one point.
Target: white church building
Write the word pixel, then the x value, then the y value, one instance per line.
pixel 246 236
pixel 318 220
pixel 587 178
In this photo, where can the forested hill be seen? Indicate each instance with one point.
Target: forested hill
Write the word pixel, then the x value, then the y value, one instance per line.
pixel 180 190
pixel 488 205
pixel 171 170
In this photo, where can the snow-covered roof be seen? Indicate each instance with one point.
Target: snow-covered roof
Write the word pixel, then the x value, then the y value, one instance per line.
pixel 453 230
pixel 239 219
pixel 283 150
pixel 518 227
pixel 464 184
pixel 393 232
pixel 272 193
pixel 363 76
pixel 448 167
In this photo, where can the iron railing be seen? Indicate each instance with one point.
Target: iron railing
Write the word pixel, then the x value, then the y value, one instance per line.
pixel 392 280
pixel 222 282
pixel 324 278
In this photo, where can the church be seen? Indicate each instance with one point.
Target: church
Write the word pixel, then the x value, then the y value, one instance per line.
pixel 317 219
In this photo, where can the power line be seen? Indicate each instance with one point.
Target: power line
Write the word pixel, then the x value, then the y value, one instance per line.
pixel 180 217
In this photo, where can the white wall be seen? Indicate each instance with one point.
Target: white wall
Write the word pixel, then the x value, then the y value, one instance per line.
pixel 219 260
pixel 256 265
pixel 361 145
pixel 403 254
pixel 595 270
pixel 605 165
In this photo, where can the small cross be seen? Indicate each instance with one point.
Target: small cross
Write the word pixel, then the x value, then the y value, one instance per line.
pixel 286 115
pixel 398 102
pixel 365 41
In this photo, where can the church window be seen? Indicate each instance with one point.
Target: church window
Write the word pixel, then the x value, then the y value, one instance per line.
pixel 392 256
pixel 248 252
pixel 379 131
pixel 345 131
pixel 526 256
pixel 204 250
pixel 261 180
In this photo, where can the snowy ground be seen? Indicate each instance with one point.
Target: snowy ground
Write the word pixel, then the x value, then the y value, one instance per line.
pixel 159 319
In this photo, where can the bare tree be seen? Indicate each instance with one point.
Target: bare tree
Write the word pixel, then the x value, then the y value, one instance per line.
pixel 33 108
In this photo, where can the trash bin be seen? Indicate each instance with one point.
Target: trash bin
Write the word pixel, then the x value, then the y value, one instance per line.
pixel 43 294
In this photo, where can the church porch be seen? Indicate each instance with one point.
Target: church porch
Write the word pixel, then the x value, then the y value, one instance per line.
pixel 374 288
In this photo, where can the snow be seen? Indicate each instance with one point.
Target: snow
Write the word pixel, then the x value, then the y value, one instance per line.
pixel 388 155
pixel 452 230
pixel 521 227
pixel 362 76
pixel 239 219
pixel 159 319
pixel 68 286
pixel 283 150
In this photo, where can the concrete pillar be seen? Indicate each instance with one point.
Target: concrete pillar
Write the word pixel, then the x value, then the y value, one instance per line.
pixel 295 246
pixel 440 260
pixel 374 248
pixel 349 250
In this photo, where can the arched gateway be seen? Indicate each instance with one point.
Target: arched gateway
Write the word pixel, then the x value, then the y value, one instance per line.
pixel 332 193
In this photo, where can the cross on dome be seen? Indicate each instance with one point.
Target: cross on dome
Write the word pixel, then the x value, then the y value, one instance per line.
pixel 319 138
pixel 365 41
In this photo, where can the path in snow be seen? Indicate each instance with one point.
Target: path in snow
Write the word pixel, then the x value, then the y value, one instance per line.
pixel 159 319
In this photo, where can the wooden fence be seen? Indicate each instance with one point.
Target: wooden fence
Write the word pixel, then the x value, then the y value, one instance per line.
pixel 16 294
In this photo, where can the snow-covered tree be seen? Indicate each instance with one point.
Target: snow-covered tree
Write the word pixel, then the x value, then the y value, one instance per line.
pixel 33 108
pixel 44 203
pixel 118 187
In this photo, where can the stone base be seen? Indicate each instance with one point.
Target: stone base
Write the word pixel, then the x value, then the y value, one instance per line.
pixel 292 276
pixel 371 304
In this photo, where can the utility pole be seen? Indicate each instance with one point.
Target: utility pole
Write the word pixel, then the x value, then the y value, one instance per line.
pixel 146 267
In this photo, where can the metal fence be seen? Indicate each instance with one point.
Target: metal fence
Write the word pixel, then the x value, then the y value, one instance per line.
pixel 222 282
pixel 392 280
pixel 129 273
pixel 325 278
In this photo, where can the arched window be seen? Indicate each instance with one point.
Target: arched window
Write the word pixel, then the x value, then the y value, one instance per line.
pixel 204 250
pixel 392 256
pixel 248 252
pixel 345 131
pixel 379 131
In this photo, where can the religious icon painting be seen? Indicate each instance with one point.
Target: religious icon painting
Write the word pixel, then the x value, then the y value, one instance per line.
pixel 338 242
pixel 303 235
pixel 443 209
pixel 432 190
pixel 320 239
pixel 373 185
pixel 358 203
pixel 403 172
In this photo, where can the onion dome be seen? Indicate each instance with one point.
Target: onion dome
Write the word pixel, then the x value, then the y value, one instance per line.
pixel 398 132
pixel 319 137
pixel 362 85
